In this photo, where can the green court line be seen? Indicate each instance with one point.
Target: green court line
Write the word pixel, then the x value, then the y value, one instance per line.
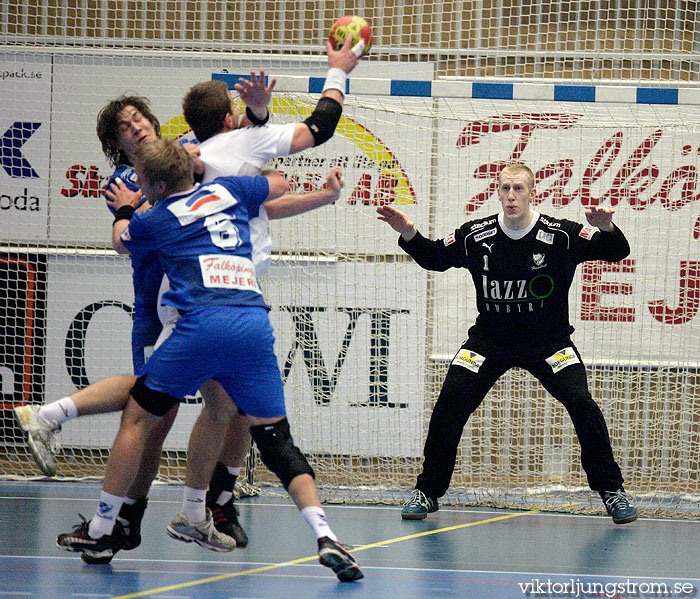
pixel 301 560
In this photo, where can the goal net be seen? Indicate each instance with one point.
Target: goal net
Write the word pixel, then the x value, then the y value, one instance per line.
pixel 597 97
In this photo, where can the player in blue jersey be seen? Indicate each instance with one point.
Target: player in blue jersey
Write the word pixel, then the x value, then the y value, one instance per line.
pixel 122 126
pixel 313 131
pixel 522 264
pixel 201 236
pixel 229 150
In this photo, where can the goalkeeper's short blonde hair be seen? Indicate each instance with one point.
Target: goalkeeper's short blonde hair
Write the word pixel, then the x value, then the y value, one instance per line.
pixel 519 169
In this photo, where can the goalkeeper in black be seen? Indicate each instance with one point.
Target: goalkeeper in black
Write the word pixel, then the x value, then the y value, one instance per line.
pixel 522 264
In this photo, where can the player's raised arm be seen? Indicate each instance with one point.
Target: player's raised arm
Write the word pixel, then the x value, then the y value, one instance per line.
pixel 601 217
pixel 256 96
pixel 321 124
pixel 398 221
pixel 610 245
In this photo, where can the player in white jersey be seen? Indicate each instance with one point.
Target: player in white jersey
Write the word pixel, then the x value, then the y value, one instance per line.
pixel 202 237
pixel 316 129
pixel 227 150
pixel 41 423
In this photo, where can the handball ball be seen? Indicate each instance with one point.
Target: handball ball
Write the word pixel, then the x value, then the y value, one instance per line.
pixel 351 25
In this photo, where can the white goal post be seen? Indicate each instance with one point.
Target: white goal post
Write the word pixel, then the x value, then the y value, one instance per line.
pixel 364 336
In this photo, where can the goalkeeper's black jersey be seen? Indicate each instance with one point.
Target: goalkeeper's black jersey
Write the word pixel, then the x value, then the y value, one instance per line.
pixel 522 285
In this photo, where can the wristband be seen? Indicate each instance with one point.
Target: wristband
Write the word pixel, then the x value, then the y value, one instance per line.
pixel 336 79
pixel 124 213
pixel 255 121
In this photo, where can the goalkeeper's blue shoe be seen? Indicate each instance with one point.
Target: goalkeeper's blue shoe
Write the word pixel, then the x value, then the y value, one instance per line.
pixel 418 506
pixel 618 506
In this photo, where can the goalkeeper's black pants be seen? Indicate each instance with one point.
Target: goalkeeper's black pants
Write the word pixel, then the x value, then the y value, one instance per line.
pixel 469 380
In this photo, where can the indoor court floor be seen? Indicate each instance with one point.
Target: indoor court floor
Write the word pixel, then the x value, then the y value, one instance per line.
pixel 455 553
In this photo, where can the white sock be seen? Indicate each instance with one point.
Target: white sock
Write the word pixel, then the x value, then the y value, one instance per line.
pixel 62 410
pixel 224 497
pixel 316 518
pixel 106 515
pixel 193 504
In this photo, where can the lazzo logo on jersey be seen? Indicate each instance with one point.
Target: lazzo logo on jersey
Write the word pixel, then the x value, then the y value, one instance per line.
pixel 545 237
pixel 587 233
pixel 209 200
pixel 450 239
pixel 485 234
pixel 468 359
pixel 125 234
pixel 563 358
pixel 228 272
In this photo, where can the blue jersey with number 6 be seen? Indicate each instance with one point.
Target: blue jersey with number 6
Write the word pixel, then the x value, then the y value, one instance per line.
pixel 203 240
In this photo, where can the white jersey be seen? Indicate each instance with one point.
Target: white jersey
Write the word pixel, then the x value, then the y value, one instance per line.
pixel 237 153
pixel 244 152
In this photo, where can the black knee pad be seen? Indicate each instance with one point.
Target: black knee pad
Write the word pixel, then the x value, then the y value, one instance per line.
pixel 154 402
pixel 278 452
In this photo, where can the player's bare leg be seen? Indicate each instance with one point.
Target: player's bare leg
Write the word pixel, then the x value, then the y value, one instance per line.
pixel 195 521
pixel 128 448
pixel 42 423
pixel 136 501
pixel 100 538
pixel 281 456
pixel 208 435
pixel 107 395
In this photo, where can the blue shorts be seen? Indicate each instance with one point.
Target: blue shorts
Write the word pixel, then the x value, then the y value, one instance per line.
pixel 144 333
pixel 233 345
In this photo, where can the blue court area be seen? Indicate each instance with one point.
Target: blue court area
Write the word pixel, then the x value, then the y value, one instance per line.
pixel 455 553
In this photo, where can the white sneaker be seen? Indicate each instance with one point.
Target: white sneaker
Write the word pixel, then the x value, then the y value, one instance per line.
pixel 41 437
pixel 203 533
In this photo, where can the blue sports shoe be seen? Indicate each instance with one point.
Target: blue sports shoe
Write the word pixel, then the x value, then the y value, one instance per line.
pixel 618 505
pixel 419 506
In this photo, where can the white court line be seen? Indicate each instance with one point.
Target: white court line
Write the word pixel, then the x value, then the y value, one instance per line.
pixel 364 567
